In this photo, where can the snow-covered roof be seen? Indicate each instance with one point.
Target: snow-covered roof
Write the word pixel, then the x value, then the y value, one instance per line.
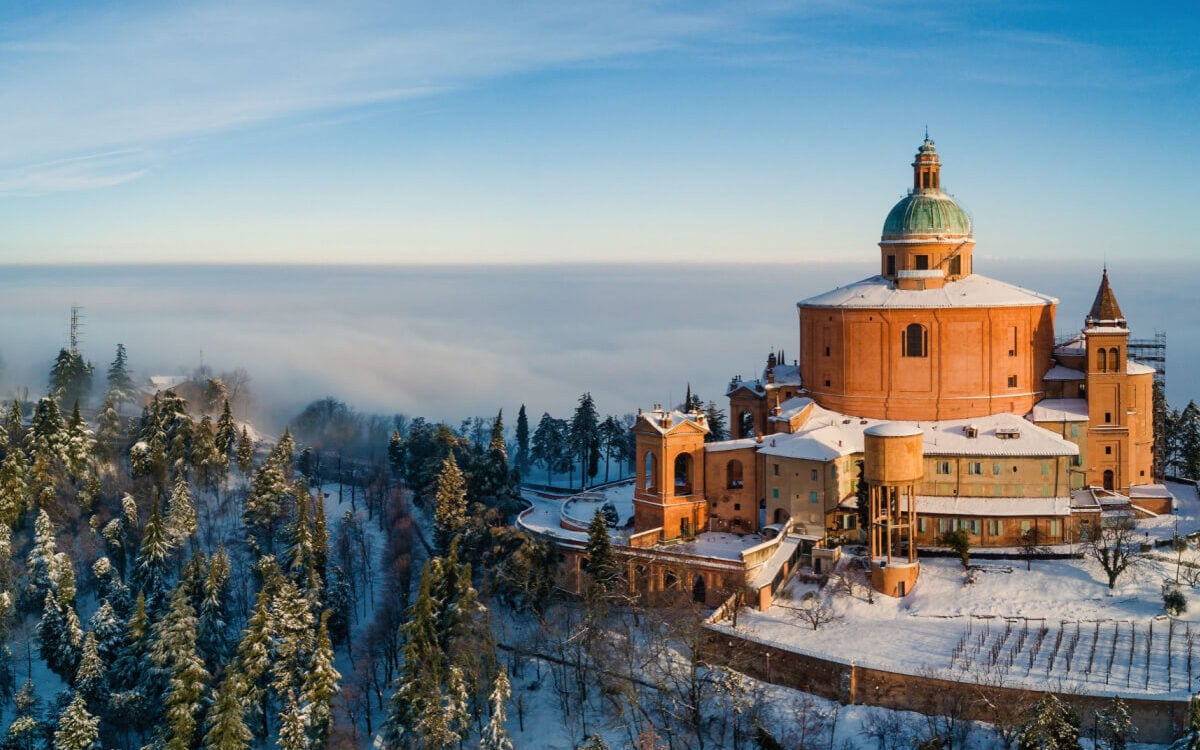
pixel 1060 410
pixel 950 438
pixel 1137 368
pixel 1058 372
pixel 1074 347
pixel 1150 490
pixel 828 435
pixel 786 374
pixel 951 505
pixel 791 409
pixel 970 291
pixel 668 421
pixel 165 382
pixel 1107 329
pixel 730 445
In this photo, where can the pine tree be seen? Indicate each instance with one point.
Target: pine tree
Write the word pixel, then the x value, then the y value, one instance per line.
pixel 418 685
pixel 450 516
pixel 292 632
pixel 226 726
pixel 602 569
pixel 77 729
pixel 121 389
pixel 254 659
pixel 108 432
pixel 90 677
pixel 226 438
pixel 718 427
pixel 14 426
pixel 207 460
pixel 457 710
pixel 153 560
pixel 291 724
pixel 25 727
pixel 70 377
pixel 1115 726
pixel 1049 725
pixel 265 503
pixel 212 628
pixel 175 657
pixel 321 683
pixel 14 487
pixel 396 451
pixel 300 552
pixel 495 735
pixel 522 458
pixel 108 632
pixel 180 522
pixel 585 437
pixel 245 452
pixel 61 637
pixel 40 561
pixel 80 445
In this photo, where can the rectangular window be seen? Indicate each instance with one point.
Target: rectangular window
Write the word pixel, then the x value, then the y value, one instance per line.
pixel 943 525
pixel 1012 381
pixel 1054 528
pixel 1074 430
pixel 775 469
pixel 973 526
pixel 1108 450
pixel 812 497
pixel 775 492
pixel 943 467
pixel 1045 469
pixel 1024 526
pixel 922 262
pixel 1108 417
pixel 974 467
pixel 827 351
pixel 996 469
pixel 955 266
pixel 814 475
pixel 737 506
pixel 994 528
pixel 891 265
pixel 921 525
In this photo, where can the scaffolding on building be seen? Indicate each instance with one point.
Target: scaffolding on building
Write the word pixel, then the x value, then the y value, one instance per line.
pixel 1152 352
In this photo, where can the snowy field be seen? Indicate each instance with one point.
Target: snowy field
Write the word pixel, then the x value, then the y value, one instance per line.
pixel 1056 625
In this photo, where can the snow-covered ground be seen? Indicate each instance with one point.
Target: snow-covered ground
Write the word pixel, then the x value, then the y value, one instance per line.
pixel 1056 624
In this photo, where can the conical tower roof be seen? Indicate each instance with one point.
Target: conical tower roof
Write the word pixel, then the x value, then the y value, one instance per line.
pixel 1105 310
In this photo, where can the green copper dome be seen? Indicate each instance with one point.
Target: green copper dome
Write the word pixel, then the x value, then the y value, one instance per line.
pixel 926 212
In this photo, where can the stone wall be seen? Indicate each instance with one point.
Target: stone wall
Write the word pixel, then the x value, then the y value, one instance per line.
pixel 1157 720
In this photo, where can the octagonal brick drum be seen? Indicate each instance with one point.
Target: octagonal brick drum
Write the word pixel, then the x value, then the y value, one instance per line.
pixel 893 453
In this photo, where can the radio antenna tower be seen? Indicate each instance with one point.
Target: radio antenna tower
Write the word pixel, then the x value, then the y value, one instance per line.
pixel 76 324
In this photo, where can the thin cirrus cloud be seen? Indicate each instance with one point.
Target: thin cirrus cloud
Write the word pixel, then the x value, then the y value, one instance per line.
pixel 96 100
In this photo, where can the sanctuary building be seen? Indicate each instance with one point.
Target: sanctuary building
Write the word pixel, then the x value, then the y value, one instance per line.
pixel 941 391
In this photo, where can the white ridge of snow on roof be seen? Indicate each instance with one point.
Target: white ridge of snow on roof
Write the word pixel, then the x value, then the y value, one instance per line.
pixel 730 445
pixel 1058 372
pixel 970 291
pixel 1060 410
pixel 950 505
pixel 1137 368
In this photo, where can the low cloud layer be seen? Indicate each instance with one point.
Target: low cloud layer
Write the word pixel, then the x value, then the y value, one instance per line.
pixel 453 342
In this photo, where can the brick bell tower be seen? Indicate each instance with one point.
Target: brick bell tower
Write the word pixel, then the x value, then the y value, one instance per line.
pixel 669 493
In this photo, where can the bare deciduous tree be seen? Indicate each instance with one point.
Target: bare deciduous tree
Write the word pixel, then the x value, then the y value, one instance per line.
pixel 1115 548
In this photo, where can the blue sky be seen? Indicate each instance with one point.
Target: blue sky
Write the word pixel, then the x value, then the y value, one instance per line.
pixel 386 132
